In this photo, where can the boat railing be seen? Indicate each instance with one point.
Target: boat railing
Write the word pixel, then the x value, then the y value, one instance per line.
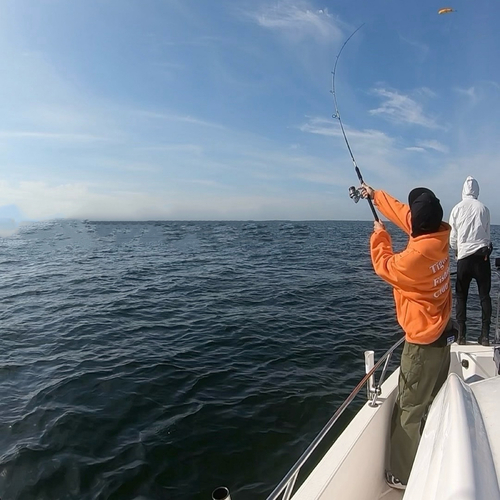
pixel 497 329
pixel 285 487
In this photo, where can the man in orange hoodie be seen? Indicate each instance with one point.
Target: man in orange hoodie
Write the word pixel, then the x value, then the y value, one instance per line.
pixel 420 277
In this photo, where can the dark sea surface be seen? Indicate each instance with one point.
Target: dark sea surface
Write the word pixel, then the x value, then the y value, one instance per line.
pixel 160 360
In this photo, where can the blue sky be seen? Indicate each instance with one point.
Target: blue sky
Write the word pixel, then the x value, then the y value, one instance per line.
pixel 197 109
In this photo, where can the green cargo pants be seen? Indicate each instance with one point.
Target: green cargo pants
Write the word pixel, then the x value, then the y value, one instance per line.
pixel 424 369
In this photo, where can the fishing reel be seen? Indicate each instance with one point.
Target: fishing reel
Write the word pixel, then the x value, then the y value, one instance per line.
pixel 354 194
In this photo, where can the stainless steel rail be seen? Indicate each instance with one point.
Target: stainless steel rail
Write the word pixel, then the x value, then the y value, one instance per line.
pixel 497 330
pixel 286 485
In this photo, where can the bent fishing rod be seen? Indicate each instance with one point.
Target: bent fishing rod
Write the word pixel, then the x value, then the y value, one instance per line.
pixel 353 192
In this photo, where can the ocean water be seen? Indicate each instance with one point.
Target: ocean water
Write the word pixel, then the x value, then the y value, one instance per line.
pixel 159 360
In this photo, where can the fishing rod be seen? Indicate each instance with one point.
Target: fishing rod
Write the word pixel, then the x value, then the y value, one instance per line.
pixel 354 193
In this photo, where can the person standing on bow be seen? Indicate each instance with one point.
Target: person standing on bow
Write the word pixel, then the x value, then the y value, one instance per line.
pixel 470 238
pixel 420 278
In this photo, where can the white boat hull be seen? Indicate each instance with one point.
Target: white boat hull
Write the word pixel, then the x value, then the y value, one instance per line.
pixel 353 468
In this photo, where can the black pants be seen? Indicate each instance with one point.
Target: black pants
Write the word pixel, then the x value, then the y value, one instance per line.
pixel 479 268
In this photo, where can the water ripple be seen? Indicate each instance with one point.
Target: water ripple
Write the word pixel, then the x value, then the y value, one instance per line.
pixel 159 360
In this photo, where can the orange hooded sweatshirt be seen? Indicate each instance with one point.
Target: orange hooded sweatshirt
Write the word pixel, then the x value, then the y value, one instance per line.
pixel 420 274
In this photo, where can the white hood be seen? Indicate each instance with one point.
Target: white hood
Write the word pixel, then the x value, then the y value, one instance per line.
pixel 470 189
pixel 469 221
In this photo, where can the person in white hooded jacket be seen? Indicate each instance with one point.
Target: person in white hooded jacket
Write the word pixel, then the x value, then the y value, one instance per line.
pixel 470 238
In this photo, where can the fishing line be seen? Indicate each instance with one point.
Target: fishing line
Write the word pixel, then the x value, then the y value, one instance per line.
pixel 353 192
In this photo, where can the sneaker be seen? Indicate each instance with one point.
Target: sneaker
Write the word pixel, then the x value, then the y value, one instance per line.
pixel 483 340
pixel 394 482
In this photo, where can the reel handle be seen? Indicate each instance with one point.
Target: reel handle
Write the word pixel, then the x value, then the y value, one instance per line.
pixel 355 195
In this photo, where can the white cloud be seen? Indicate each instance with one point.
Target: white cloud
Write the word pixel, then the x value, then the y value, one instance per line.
pixel 400 108
pixel 194 149
pixel 425 92
pixel 494 84
pixel 370 137
pixel 128 166
pixel 321 126
pixel 302 206
pixel 471 93
pixel 51 136
pixel 376 153
pixel 206 182
pixel 41 200
pixel 433 144
pixel 284 165
pixel 414 148
pixel 179 118
pixel 422 49
pixel 298 19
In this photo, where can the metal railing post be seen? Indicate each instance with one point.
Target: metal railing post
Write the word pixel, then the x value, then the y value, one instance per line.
pixel 497 330
pixel 369 364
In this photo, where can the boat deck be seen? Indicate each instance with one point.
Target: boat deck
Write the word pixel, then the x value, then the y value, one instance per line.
pixel 391 494
pixel 355 463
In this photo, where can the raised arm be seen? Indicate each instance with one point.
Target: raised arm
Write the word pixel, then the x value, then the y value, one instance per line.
pixel 392 209
pixel 391 267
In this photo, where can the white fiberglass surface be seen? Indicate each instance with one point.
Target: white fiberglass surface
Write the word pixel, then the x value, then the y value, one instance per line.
pixel 472 362
pixel 457 454
pixel 454 460
pixel 353 468
pixel 487 394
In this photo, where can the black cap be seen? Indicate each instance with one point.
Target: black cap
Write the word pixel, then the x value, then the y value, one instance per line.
pixel 426 211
